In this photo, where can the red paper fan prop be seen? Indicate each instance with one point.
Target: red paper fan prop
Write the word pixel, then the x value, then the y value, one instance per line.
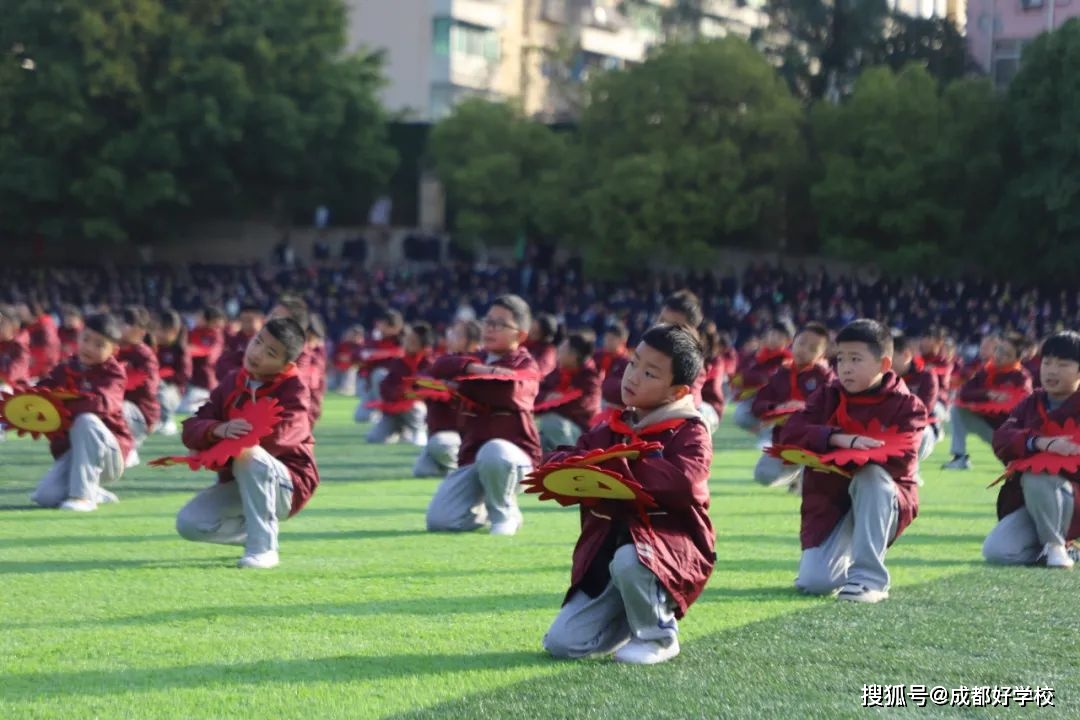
pixel 842 460
pixel 263 414
pixel 37 411
pixel 780 415
pixel 578 479
pixel 392 407
pixel 167 372
pixel 1050 463
pixel 1014 396
pixel 425 388
pixel 793 455
pixel 498 377
pixel 557 399
pixel 135 378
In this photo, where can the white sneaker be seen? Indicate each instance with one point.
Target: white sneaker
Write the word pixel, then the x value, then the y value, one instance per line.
pixel 104 497
pixel 79 505
pixel 133 459
pixel 646 652
pixel 860 593
pixel 1057 556
pixel 169 428
pixel 508 527
pixel 259 561
pixel 420 439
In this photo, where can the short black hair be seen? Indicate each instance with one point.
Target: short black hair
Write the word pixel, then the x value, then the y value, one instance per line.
pixel 1064 345
pixel 549 327
pixel 316 327
pixel 106 325
pixel 171 320
pixel 136 316
pixel 785 326
pixel 7 312
pixel 816 328
pixel 682 345
pixel 474 331
pixel 873 334
pixel 518 308
pixel 580 344
pixel 69 310
pixel 249 308
pixel 1018 341
pixel 211 313
pixel 297 308
pixel 618 329
pixel 424 332
pixel 687 304
pixel 902 343
pixel 289 333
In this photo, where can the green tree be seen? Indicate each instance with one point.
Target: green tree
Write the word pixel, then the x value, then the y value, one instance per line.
pixel 126 119
pixel 497 167
pixel 908 169
pixel 935 43
pixel 691 149
pixel 1039 220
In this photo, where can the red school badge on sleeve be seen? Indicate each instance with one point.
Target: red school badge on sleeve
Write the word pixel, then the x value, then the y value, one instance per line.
pixel 37 411
pixel 263 414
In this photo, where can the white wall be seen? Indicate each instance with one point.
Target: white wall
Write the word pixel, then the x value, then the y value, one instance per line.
pixel 403 29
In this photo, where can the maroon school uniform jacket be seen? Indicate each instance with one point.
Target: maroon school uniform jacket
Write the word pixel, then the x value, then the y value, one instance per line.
pixel 546 356
pixel 584 383
pixel 496 408
pixel 378 354
pixel 755 370
pixel 290 442
pixel 1034 367
pixel 788 384
pixel 44 342
pixel 677 543
pixel 944 368
pixel 104 388
pixel 312 366
pixel 205 345
pixel 825 495
pixel 605 361
pixel 69 340
pixel 1011 443
pixel 174 365
pixel 712 386
pixel 923 383
pixel 394 386
pixel 990 377
pixel 14 362
pixel 140 360
pixel 346 354
pixel 232 353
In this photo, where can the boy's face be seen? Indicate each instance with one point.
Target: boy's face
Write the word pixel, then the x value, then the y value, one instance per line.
pixel 930 346
pixel 808 348
pixel 901 359
pixel 265 355
pixel 412 343
pixel 568 359
pixel 1005 353
pixel 858 368
pixel 166 336
pixel 672 317
pixel 501 333
pixel 8 329
pixel 613 343
pixel 775 340
pixel 455 339
pixel 646 384
pixel 94 348
pixel 132 333
pixel 250 322
pixel 73 322
pixel 1060 377
pixel 988 347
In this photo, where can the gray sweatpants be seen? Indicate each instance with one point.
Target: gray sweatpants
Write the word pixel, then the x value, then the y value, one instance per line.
pixel 367 390
pixel 633 605
pixel 963 422
pixel 774 472
pixel 555 430
pixel 1019 537
pixel 193 399
pixel 855 550
pixel 439 456
pixel 136 422
pixel 927 441
pixel 93 460
pixel 473 495
pixel 169 397
pixel 745 419
pixel 410 426
pixel 244 512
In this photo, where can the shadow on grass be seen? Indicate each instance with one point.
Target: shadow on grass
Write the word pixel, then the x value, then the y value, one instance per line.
pixel 342 669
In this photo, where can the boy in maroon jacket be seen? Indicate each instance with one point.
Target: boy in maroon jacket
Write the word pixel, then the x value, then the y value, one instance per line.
pixel 994 379
pixel 402 418
pixel 174 367
pixel 848 523
pixel 923 384
pixel 632 578
pixel 1038 513
pixel 754 372
pixel 71 325
pixel 499 443
pixel 251 320
pixel 270 481
pixel 612 357
pixel 43 339
pixel 574 387
pixel 142 411
pixel 789 387
pixel 91 453
pixel 440 456
pixel 545 336
pixel 383 346
pixel 14 354
pixel 206 342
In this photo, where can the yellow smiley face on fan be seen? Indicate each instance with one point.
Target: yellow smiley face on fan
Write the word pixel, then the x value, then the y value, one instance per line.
pixel 32 413
pixel 587 482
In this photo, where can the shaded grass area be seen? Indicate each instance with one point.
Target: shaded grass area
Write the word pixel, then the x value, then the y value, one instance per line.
pixel 111 615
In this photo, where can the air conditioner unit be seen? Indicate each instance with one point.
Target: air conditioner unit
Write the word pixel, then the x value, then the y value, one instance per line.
pixel 1031 4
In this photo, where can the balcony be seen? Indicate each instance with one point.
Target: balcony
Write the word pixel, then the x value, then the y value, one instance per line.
pixel 482 13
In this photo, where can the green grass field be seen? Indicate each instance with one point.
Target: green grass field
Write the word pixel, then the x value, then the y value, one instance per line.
pixel 112 615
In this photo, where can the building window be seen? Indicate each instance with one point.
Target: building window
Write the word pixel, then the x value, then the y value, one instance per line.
pixel 474 41
pixel 440 36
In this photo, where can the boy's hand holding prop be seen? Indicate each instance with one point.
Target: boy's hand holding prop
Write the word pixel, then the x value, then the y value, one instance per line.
pixel 580 479
pixel 260 418
pixel 1001 402
pixel 557 399
pixel 780 414
pixel 37 411
pixel 425 388
pixel 870 443
pixel 1060 453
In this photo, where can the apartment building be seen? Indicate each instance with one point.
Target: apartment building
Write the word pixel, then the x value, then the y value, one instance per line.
pixel 998 30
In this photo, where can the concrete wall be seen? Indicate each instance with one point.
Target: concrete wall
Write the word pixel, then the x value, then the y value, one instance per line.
pixel 403 29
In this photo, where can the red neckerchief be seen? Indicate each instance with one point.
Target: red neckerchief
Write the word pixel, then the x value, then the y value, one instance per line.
pixel 413 361
pixel 566 379
pixel 766 355
pixel 796 390
pixel 840 417
pixel 607 359
pixel 242 391
pixel 917 364
pixel 992 372
pixel 618 425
